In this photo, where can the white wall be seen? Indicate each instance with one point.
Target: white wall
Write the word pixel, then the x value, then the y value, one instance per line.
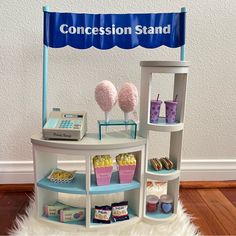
pixel 210 127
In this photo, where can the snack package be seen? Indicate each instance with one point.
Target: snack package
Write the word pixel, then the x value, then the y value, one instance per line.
pixel 61 176
pixel 72 214
pixel 120 211
pixel 53 209
pixel 102 214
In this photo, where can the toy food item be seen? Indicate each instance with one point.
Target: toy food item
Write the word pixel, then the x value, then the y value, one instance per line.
pixel 126 159
pixel 61 176
pixel 166 203
pixel 167 163
pixel 120 211
pixel 126 165
pixel 72 214
pixel 152 203
pixel 128 98
pixel 102 161
pixel 102 214
pixel 156 164
pixel 106 96
pixel 103 166
pixel 53 209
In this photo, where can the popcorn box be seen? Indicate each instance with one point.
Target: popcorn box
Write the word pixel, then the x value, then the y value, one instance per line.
pixel 126 173
pixel 103 175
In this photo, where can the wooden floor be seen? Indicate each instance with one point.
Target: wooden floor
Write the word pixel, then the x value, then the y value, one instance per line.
pixel 213 210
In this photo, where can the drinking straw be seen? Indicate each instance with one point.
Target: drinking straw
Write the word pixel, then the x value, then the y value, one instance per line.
pixel 176 98
pixel 158 96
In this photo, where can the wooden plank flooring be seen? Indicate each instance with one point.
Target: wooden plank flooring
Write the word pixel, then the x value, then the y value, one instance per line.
pixel 213 210
pixel 11 205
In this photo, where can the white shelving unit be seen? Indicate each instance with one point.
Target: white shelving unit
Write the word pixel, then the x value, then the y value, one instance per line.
pixel 46 157
pixel 48 152
pixel 179 69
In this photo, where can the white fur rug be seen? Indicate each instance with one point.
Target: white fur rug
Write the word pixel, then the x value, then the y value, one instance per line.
pixel 29 226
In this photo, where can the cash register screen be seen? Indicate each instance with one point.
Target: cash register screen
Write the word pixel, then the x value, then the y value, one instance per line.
pixel 73 116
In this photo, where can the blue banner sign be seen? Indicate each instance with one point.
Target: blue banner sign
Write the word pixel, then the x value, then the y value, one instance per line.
pixel 104 31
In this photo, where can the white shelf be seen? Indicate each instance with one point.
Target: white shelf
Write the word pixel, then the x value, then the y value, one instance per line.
pixel 162 126
pixel 113 140
pixel 52 220
pixel 77 185
pixel 170 67
pixel 164 63
pixel 161 175
pixel 46 156
pixel 179 69
pixel 158 217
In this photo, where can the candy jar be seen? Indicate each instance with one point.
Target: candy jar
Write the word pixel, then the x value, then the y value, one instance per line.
pixel 152 203
pixel 166 203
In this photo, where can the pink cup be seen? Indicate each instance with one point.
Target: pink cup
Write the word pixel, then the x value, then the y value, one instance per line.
pixel 171 107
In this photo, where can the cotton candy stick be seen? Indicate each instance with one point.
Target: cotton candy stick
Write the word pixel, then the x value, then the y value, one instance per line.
pixel 128 99
pixel 106 96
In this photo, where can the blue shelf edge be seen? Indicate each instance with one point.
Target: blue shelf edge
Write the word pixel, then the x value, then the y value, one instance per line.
pixel 158 215
pixel 113 187
pixel 57 219
pixel 159 172
pixel 77 185
pixel 162 121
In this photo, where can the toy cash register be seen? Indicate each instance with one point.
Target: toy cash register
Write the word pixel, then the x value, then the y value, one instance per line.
pixel 65 125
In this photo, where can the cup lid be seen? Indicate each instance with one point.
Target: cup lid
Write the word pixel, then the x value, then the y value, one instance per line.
pixel 171 101
pixel 166 198
pixel 153 199
pixel 158 101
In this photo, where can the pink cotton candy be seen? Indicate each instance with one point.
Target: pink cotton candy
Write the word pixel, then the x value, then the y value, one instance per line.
pixel 106 95
pixel 128 97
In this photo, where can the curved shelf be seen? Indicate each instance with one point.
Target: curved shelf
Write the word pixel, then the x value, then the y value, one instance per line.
pixel 77 185
pixel 113 187
pixel 162 126
pixel 91 142
pixel 161 175
pixel 158 217
pixel 164 63
pixel 54 220
pixel 173 67
pixel 132 220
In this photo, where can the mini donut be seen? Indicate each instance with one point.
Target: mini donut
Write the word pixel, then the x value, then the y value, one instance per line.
pixel 156 164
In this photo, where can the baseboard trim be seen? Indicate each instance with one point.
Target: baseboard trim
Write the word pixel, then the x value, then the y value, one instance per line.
pixel 183 185
pixel 207 184
pixel 21 172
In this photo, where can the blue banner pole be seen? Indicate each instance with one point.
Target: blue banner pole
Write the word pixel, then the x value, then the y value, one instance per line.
pixel 182 49
pixel 45 79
